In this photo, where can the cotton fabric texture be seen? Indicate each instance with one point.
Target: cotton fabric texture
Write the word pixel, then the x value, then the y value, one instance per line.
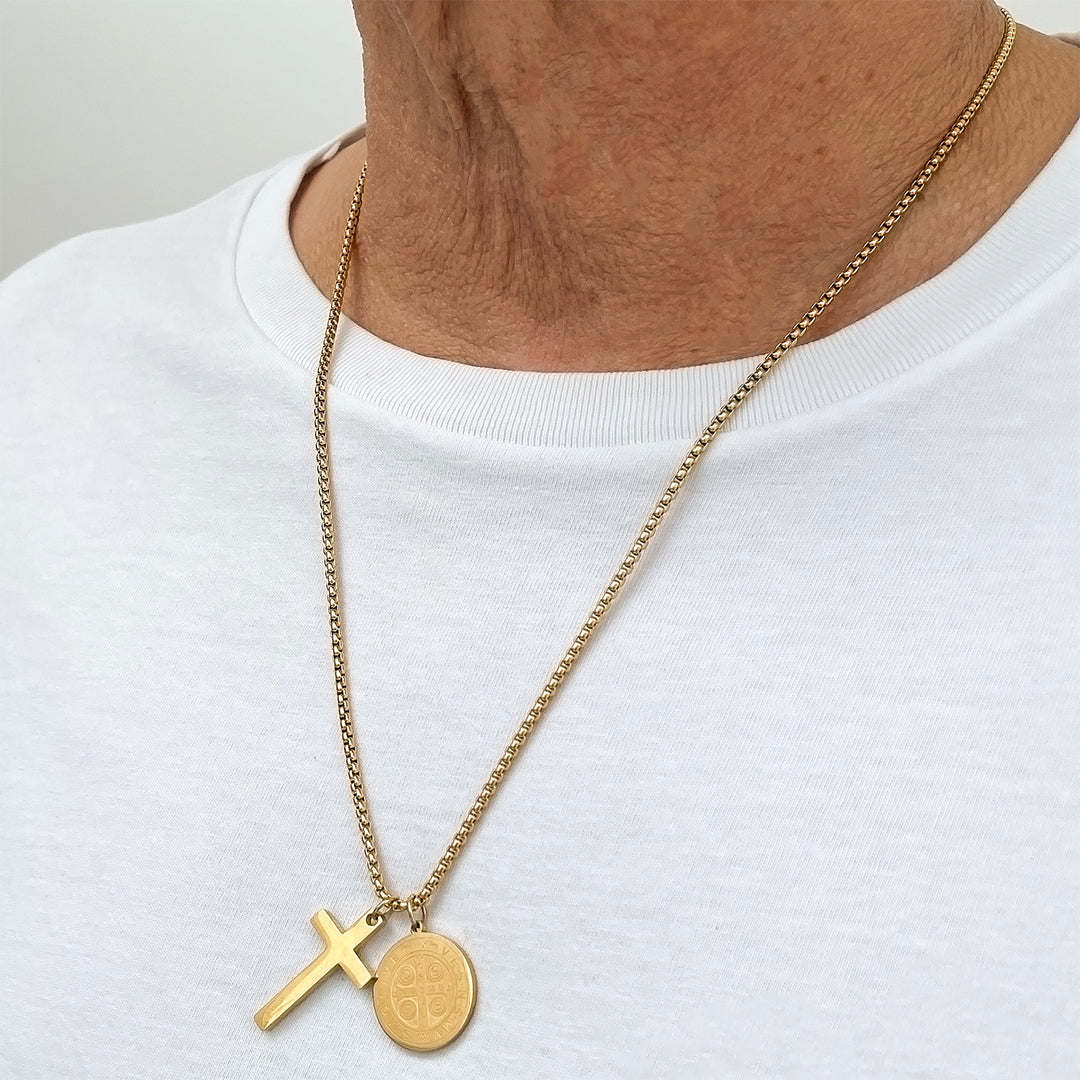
pixel 806 807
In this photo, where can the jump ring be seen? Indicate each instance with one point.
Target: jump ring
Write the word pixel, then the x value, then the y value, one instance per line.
pixel 414 905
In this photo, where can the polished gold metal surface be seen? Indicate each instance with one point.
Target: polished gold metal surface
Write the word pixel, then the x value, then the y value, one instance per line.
pixel 389 901
pixel 340 952
pixel 425 991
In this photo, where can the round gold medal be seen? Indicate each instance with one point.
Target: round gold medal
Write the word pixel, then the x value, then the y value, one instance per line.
pixel 425 990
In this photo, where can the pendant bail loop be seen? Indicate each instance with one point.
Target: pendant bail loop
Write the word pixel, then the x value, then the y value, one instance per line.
pixel 417 913
pixel 380 912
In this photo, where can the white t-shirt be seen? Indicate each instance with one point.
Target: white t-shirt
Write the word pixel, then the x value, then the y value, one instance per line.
pixel 807 806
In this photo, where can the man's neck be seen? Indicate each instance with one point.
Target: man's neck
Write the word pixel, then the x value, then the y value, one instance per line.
pixel 618 186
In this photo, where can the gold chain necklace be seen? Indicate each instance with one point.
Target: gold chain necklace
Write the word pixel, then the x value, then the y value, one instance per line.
pixel 425 987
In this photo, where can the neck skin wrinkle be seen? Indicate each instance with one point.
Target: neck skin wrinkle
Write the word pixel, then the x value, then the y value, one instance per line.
pixel 581 185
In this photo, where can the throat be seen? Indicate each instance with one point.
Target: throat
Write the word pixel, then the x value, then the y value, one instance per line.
pixel 614 257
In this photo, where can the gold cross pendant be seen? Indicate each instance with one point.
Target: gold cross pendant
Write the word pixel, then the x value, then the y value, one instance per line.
pixel 340 952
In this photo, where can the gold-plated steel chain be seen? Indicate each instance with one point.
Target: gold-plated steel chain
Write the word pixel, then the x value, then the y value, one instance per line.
pixel 389 901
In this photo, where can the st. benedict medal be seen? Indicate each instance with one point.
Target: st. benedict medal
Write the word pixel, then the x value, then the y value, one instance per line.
pixel 425 990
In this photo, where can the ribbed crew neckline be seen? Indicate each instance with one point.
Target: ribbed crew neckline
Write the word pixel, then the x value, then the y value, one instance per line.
pixel 1037 234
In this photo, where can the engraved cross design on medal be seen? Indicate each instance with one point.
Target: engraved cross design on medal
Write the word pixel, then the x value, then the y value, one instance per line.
pixel 421 992
pixel 340 952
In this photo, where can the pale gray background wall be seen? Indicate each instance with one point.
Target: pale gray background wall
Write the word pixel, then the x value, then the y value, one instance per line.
pixel 119 110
